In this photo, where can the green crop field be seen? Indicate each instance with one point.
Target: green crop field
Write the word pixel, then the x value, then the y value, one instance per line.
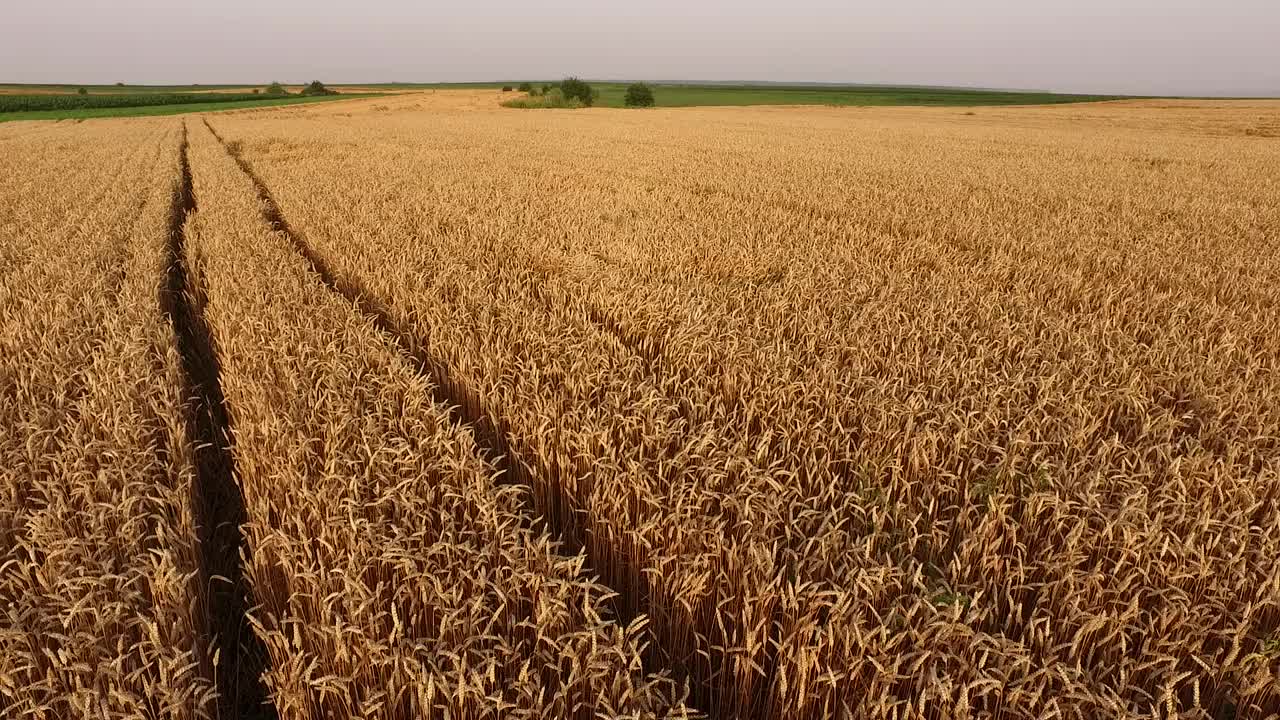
pixel 23 103
pixel 611 95
pixel 24 88
pixel 17 107
pixel 708 94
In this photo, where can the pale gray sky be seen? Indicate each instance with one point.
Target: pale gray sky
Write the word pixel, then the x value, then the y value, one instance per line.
pixel 1122 46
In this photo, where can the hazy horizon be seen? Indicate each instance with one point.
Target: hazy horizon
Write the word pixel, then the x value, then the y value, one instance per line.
pixel 1140 47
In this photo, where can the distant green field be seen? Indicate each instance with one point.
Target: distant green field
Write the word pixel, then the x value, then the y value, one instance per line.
pixel 690 95
pixel 611 95
pixel 170 109
pixel 120 89
pixel 27 103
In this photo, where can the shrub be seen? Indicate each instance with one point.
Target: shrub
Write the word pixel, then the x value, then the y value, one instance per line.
pixel 639 95
pixel 546 88
pixel 82 91
pixel 506 88
pixel 576 89
pixel 554 100
pixel 315 87
pixel 119 84
pixel 276 88
pixel 256 91
pixel 525 87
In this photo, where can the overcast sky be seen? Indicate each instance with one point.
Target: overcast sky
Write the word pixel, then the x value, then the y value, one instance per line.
pixel 1121 46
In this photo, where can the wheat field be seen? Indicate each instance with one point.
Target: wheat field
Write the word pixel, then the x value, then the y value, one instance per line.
pixel 416 406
